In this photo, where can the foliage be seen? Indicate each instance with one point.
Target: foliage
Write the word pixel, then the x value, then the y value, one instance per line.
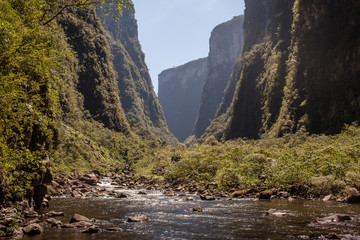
pixel 325 164
pixel 29 59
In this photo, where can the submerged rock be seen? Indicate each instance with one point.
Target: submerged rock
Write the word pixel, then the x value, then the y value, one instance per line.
pixel 335 218
pixel 54 214
pixel 92 229
pixel 274 212
pixel 138 218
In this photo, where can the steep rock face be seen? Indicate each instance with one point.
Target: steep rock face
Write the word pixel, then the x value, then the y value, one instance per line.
pixel 136 90
pixel 225 47
pixel 300 68
pixel 322 89
pixel 96 75
pixel 179 95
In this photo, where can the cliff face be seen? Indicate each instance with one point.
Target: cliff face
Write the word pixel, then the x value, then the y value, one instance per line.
pixel 179 95
pixel 300 68
pixel 137 95
pixel 96 75
pixel 225 47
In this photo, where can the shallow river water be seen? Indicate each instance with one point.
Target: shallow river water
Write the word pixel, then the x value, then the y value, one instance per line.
pixel 220 219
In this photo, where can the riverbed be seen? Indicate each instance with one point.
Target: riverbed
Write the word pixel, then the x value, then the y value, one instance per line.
pixel 173 217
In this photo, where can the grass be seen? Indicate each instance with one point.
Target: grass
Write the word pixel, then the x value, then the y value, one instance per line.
pixel 320 164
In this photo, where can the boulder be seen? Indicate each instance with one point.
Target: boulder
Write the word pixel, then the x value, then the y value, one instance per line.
pixel 33 229
pixel 138 218
pixel 53 222
pixel 142 193
pixel 79 218
pixel 353 199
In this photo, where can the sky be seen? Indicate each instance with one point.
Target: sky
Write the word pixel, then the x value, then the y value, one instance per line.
pixel 174 32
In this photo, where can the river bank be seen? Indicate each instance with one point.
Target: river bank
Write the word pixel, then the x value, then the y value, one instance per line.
pixel 94 188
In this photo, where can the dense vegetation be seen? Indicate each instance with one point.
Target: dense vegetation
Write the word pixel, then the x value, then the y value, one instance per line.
pixel 60 101
pixel 137 95
pixel 314 165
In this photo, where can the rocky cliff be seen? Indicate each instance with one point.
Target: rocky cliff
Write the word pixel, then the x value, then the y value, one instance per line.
pixel 300 68
pixel 225 46
pixel 179 95
pixel 137 95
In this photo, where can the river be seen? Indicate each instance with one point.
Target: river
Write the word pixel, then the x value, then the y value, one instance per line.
pixel 169 218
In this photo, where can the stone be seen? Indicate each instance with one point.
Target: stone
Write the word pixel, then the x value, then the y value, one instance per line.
pixel 54 214
pixel 90 179
pixel 121 195
pixel 31 214
pixel 197 209
pixel 54 222
pixel 33 229
pixel 18 233
pixel 114 229
pixel 238 193
pixel 274 212
pixel 328 198
pixel 335 218
pixel 79 218
pixel 92 229
pixel 190 198
pixel 353 199
pixel 169 193
pixel 207 197
pixel 142 193
pixel 138 218
pixel 45 203
pixel 333 236
pixel 265 195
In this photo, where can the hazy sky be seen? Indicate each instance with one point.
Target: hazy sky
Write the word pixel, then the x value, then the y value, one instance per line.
pixel 174 32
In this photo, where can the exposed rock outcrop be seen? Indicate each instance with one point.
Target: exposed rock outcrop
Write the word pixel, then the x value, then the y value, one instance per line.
pixel 137 94
pixel 300 68
pixel 179 95
pixel 225 47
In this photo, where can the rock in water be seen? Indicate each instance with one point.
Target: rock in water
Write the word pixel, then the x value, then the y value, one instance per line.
pixel 138 218
pixel 33 229
pixel 79 218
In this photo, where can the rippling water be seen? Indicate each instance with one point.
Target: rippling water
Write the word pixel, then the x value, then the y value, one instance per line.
pixel 220 219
